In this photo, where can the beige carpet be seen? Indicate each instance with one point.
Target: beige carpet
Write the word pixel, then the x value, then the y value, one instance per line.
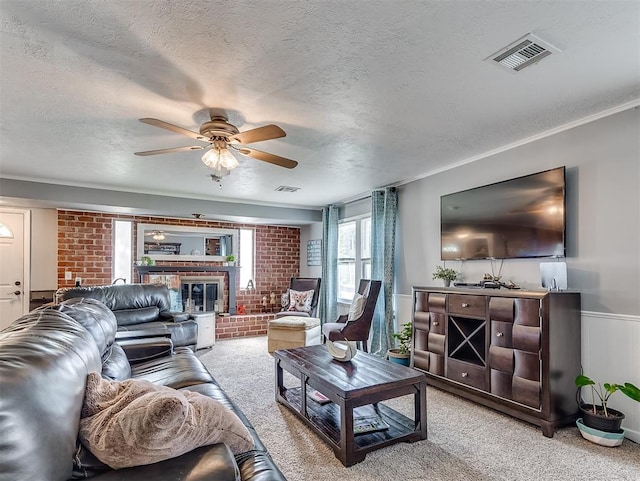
pixel 465 441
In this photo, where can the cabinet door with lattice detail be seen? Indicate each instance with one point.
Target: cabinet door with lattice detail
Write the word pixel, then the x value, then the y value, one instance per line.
pixel 514 350
pixel 429 324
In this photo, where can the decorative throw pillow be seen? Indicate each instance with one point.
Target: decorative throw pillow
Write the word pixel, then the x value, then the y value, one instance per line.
pixel 135 422
pixel 284 299
pixel 357 307
pixel 300 300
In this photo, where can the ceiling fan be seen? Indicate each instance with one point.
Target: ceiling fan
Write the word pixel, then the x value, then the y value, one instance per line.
pixel 223 139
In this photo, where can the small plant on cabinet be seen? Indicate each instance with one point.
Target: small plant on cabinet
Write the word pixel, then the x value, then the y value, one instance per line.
pixel 446 274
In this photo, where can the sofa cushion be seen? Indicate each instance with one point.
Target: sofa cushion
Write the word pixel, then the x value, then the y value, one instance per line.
pixel 45 357
pixel 357 307
pixel 207 463
pixel 135 422
pixel 128 317
pixel 94 316
pixel 115 364
pixel 122 296
pixel 300 300
pixel 183 369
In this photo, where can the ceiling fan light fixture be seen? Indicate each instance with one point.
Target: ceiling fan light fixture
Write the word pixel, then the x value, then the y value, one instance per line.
pixel 221 172
pixel 218 158
pixel 159 236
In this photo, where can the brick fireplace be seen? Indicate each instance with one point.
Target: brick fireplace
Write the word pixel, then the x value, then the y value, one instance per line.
pixel 85 245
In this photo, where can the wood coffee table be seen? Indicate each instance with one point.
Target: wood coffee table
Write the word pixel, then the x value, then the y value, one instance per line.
pixel 354 388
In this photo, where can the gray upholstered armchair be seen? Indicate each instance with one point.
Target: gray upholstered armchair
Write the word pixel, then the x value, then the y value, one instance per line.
pixel 356 325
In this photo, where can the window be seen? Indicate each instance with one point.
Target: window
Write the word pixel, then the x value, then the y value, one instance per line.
pixel 246 257
pixel 354 256
pixel 122 256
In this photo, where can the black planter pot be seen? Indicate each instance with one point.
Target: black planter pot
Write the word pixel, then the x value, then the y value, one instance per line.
pixel 609 424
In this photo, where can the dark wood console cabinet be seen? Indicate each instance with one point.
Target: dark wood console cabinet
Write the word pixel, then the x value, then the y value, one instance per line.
pixel 515 351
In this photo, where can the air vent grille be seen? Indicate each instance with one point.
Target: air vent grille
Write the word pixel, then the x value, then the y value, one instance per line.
pixel 522 53
pixel 286 188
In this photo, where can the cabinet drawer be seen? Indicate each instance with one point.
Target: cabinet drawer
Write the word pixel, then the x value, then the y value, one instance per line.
pixel 436 364
pixel 501 334
pixel 467 373
pixel 526 338
pixel 466 305
pixel 438 322
pixel 437 302
pixel 526 392
pixel 436 343
pixel 429 362
pixel 501 359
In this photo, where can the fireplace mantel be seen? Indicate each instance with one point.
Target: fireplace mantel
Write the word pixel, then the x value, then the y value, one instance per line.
pixel 232 270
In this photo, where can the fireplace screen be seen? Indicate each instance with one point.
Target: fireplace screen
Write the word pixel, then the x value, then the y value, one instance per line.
pixel 198 296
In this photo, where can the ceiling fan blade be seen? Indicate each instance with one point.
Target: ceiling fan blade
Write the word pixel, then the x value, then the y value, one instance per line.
pixel 174 128
pixel 168 151
pixel 267 132
pixel 271 158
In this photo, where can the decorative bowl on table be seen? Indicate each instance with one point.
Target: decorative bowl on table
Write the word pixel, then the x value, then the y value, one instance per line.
pixel 342 351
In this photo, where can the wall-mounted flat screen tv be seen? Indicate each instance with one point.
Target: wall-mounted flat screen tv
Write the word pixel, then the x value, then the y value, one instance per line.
pixel 516 218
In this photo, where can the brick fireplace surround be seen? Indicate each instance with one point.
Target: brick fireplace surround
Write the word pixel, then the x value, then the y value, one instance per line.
pixel 85 247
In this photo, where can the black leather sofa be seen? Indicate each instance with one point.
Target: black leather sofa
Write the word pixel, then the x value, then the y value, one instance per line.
pixel 45 357
pixel 140 307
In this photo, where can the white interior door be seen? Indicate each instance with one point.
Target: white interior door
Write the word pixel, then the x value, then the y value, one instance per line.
pixel 14 264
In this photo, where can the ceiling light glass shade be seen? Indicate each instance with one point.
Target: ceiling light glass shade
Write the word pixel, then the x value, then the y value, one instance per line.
pixel 159 236
pixel 220 159
pixel 222 172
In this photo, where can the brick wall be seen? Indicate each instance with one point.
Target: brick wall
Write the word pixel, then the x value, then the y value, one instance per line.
pixel 85 247
pixel 242 326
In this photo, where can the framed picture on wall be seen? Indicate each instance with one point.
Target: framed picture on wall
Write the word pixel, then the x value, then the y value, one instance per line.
pixel 314 253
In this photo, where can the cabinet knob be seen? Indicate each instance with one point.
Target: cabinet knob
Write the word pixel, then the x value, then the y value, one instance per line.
pixel 499 334
pixel 435 323
pixel 465 374
pixel 17 293
pixel 464 304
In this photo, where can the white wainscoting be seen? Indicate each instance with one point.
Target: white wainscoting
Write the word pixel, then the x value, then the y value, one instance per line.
pixel 610 353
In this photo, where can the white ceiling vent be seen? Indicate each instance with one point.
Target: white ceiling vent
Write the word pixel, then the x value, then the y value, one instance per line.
pixel 285 188
pixel 523 52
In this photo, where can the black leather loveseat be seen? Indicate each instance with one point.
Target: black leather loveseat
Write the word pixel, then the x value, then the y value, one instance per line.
pixel 140 307
pixel 45 358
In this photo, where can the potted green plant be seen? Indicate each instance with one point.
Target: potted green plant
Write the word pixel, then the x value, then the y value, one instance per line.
pixel 231 259
pixel 598 415
pixel 402 354
pixel 446 274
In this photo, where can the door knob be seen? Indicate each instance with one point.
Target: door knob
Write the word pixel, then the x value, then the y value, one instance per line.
pixel 17 283
pixel 17 293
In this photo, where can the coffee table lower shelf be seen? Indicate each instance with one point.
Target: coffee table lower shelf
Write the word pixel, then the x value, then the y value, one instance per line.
pixel 324 419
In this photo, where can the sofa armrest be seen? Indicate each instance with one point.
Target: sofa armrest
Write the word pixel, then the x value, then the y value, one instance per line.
pixel 141 332
pixel 174 316
pixel 213 463
pixel 140 350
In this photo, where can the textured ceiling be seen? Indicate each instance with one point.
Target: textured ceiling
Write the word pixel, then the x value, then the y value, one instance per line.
pixel 370 93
